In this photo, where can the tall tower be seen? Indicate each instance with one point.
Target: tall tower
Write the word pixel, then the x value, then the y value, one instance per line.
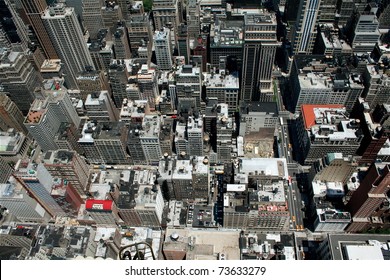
pixel 260 44
pixel 65 31
pixel 163 48
pixel 34 10
pixel 305 26
pixel 92 17
pixel 19 78
pixel 10 115
pixel 369 203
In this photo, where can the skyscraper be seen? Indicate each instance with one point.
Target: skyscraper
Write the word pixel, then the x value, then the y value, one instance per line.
pixel 260 44
pixel 369 203
pixel 92 17
pixel 10 115
pixel 18 78
pixel 65 31
pixel 34 10
pixel 163 48
pixel 305 26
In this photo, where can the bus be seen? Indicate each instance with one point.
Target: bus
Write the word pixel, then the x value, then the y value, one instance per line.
pixel 281 120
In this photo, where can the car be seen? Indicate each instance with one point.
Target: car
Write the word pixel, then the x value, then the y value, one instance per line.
pixel 293 218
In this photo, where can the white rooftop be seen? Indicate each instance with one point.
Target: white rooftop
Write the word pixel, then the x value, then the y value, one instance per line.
pixel 267 166
pixel 364 252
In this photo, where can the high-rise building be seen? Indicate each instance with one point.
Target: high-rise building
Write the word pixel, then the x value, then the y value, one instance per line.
pixel 165 14
pixel 18 78
pixel 34 10
pixel 45 117
pixel 260 44
pixel 103 212
pixel 64 30
pixel 369 204
pixel 377 89
pixel 140 203
pixel 90 82
pixel 5 171
pixel 365 33
pixel 188 88
pixel 224 133
pixel 121 43
pixel 105 143
pixel 38 182
pixel 163 48
pixel 375 132
pixel 150 138
pixel 324 129
pixel 92 17
pixel 112 15
pixel 306 26
pixel 20 203
pixel 226 88
pixel 10 115
pixel 195 135
pixel 68 166
pixel 100 107
pixel 118 77
pixel 147 85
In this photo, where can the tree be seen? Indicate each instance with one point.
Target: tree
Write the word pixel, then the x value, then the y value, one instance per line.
pixel 147 5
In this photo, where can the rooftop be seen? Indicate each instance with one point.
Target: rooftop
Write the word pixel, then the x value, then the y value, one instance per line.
pixel 206 244
pixel 265 167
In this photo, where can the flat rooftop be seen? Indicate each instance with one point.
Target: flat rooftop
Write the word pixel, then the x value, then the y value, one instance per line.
pixel 226 242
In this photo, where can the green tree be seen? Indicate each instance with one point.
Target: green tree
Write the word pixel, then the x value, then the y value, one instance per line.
pixel 147 5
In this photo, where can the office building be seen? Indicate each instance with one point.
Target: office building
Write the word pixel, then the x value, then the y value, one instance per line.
pixel 90 82
pixel 121 43
pixel 375 132
pixel 257 115
pixel 68 166
pixel 14 145
pixel 92 17
pixel 331 220
pixel 105 142
pixel 38 183
pixel 133 111
pixel 326 129
pixel 64 29
pixel 17 200
pixel 226 88
pixel 10 115
pixel 100 107
pixel 247 204
pixel 19 78
pixel 365 32
pixel 195 135
pixel 45 117
pixel 224 125
pixel 163 48
pixel 306 26
pixel 5 172
pixel 366 247
pixel 260 46
pixel 165 14
pixel 150 138
pixel 188 88
pixel 118 77
pixel 140 203
pixel 147 84
pixel 34 10
pixel 139 29
pixel 377 85
pixel 369 204
pixel 102 212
